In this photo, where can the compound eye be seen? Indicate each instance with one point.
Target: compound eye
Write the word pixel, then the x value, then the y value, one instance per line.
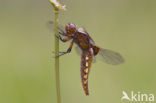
pixel 73 25
pixel 70 28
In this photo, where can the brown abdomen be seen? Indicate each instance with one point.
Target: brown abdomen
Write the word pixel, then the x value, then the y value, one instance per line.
pixel 86 60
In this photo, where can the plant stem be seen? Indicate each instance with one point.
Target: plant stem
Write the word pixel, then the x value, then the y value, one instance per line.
pixel 56 54
pixel 57 6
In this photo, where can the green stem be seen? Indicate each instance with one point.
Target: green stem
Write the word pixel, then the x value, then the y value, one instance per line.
pixel 57 59
pixel 57 6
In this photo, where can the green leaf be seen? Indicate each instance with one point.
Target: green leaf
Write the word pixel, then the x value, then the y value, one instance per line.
pixel 57 5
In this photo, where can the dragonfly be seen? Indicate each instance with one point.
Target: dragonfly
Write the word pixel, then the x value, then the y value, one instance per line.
pixel 88 51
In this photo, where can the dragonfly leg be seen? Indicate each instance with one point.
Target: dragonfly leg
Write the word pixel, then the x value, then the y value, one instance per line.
pixel 63 39
pixel 62 32
pixel 63 53
pixel 59 52
pixel 68 50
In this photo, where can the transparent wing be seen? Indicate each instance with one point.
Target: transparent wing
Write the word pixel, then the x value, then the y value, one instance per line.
pixel 110 57
pixel 50 26
pixel 79 52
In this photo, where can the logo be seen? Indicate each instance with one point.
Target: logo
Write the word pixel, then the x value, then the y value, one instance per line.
pixel 138 96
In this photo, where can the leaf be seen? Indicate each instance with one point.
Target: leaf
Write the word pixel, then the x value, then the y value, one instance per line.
pixel 57 5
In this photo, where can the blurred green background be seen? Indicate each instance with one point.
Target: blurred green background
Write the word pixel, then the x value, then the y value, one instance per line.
pixel 26 61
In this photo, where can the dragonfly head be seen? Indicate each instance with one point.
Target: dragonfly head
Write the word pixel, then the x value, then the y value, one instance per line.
pixel 70 28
